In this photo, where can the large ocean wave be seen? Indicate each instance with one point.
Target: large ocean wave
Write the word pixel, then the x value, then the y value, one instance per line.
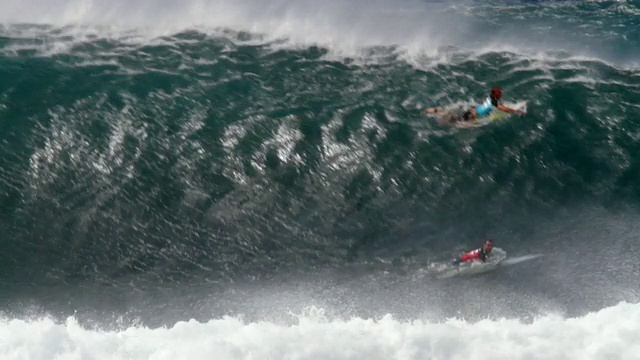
pixel 166 161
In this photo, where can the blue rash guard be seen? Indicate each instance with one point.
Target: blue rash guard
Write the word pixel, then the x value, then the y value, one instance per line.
pixel 485 108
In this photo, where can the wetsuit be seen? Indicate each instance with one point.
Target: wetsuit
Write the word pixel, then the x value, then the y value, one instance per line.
pixel 482 109
pixel 477 254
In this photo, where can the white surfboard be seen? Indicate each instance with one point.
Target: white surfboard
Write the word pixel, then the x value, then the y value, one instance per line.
pixel 497 259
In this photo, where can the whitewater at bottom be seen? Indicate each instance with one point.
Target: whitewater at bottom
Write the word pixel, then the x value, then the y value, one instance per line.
pixel 610 333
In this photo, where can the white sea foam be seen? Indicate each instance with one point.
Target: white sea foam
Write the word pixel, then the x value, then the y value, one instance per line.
pixel 611 333
pixel 412 29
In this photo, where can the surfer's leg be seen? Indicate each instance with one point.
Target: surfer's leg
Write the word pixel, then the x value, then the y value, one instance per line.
pixel 443 117
pixel 449 118
pixel 470 115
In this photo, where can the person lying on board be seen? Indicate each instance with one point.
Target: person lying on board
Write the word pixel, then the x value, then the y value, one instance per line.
pixel 479 254
pixel 476 112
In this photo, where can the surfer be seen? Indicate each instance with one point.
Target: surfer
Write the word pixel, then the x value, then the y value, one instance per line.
pixel 477 111
pixel 475 255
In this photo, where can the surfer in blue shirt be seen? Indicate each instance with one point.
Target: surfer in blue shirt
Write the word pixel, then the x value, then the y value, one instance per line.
pixel 478 111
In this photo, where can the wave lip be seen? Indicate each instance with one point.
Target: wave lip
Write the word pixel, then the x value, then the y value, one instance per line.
pixel 601 29
pixel 610 333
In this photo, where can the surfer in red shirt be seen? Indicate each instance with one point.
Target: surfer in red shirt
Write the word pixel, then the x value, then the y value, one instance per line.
pixel 476 255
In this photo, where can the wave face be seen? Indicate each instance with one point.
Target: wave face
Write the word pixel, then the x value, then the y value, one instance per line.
pixel 164 161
